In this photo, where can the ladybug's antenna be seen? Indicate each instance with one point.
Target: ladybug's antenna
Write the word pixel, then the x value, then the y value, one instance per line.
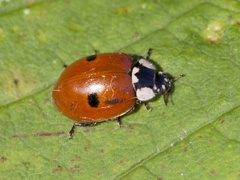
pixel 176 78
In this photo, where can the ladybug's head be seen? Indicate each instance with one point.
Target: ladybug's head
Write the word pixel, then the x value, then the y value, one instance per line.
pixel 164 84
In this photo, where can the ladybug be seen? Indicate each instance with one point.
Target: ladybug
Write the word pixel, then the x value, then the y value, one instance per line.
pixel 106 86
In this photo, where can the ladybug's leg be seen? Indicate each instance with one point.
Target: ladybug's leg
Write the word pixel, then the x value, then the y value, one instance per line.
pixel 71 132
pixel 176 78
pixel 149 108
pixel 149 54
pixel 96 51
pixel 119 122
pixel 168 91
pixel 165 97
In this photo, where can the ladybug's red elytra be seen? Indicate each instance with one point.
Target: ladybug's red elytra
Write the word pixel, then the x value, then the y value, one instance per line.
pixel 106 86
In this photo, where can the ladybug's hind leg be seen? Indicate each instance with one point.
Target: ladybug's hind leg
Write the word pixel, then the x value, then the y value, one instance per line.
pixel 71 132
pixel 119 122
pixel 118 119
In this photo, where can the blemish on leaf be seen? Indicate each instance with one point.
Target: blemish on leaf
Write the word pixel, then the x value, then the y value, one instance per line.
pixel 237 23
pixel 132 126
pixel 26 163
pixel 20 35
pixel 58 169
pixel 222 121
pixel 39 134
pixel 75 158
pixel 123 10
pixel 213 171
pixel 26 11
pixel 75 169
pixel 47 100
pixel 213 32
pixel 3 159
pixel 101 151
pixel 162 166
pixel 49 134
pixel 185 149
pixel 17 32
pixel 144 6
pixel 16 81
pixel 86 148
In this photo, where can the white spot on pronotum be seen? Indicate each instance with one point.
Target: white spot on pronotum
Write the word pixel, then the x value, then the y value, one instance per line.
pixel 145 94
pixel 147 64
pixel 134 77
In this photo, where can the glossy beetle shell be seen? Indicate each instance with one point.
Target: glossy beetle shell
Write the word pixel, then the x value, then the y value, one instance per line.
pixel 96 88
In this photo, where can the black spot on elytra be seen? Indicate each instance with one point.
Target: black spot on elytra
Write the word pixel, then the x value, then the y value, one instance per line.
pixel 91 58
pixel 93 100
pixel 114 100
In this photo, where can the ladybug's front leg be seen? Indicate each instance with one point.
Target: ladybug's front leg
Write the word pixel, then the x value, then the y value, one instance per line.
pixel 147 106
pixel 71 132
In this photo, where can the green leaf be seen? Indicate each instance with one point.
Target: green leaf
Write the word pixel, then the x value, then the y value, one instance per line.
pixel 195 137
